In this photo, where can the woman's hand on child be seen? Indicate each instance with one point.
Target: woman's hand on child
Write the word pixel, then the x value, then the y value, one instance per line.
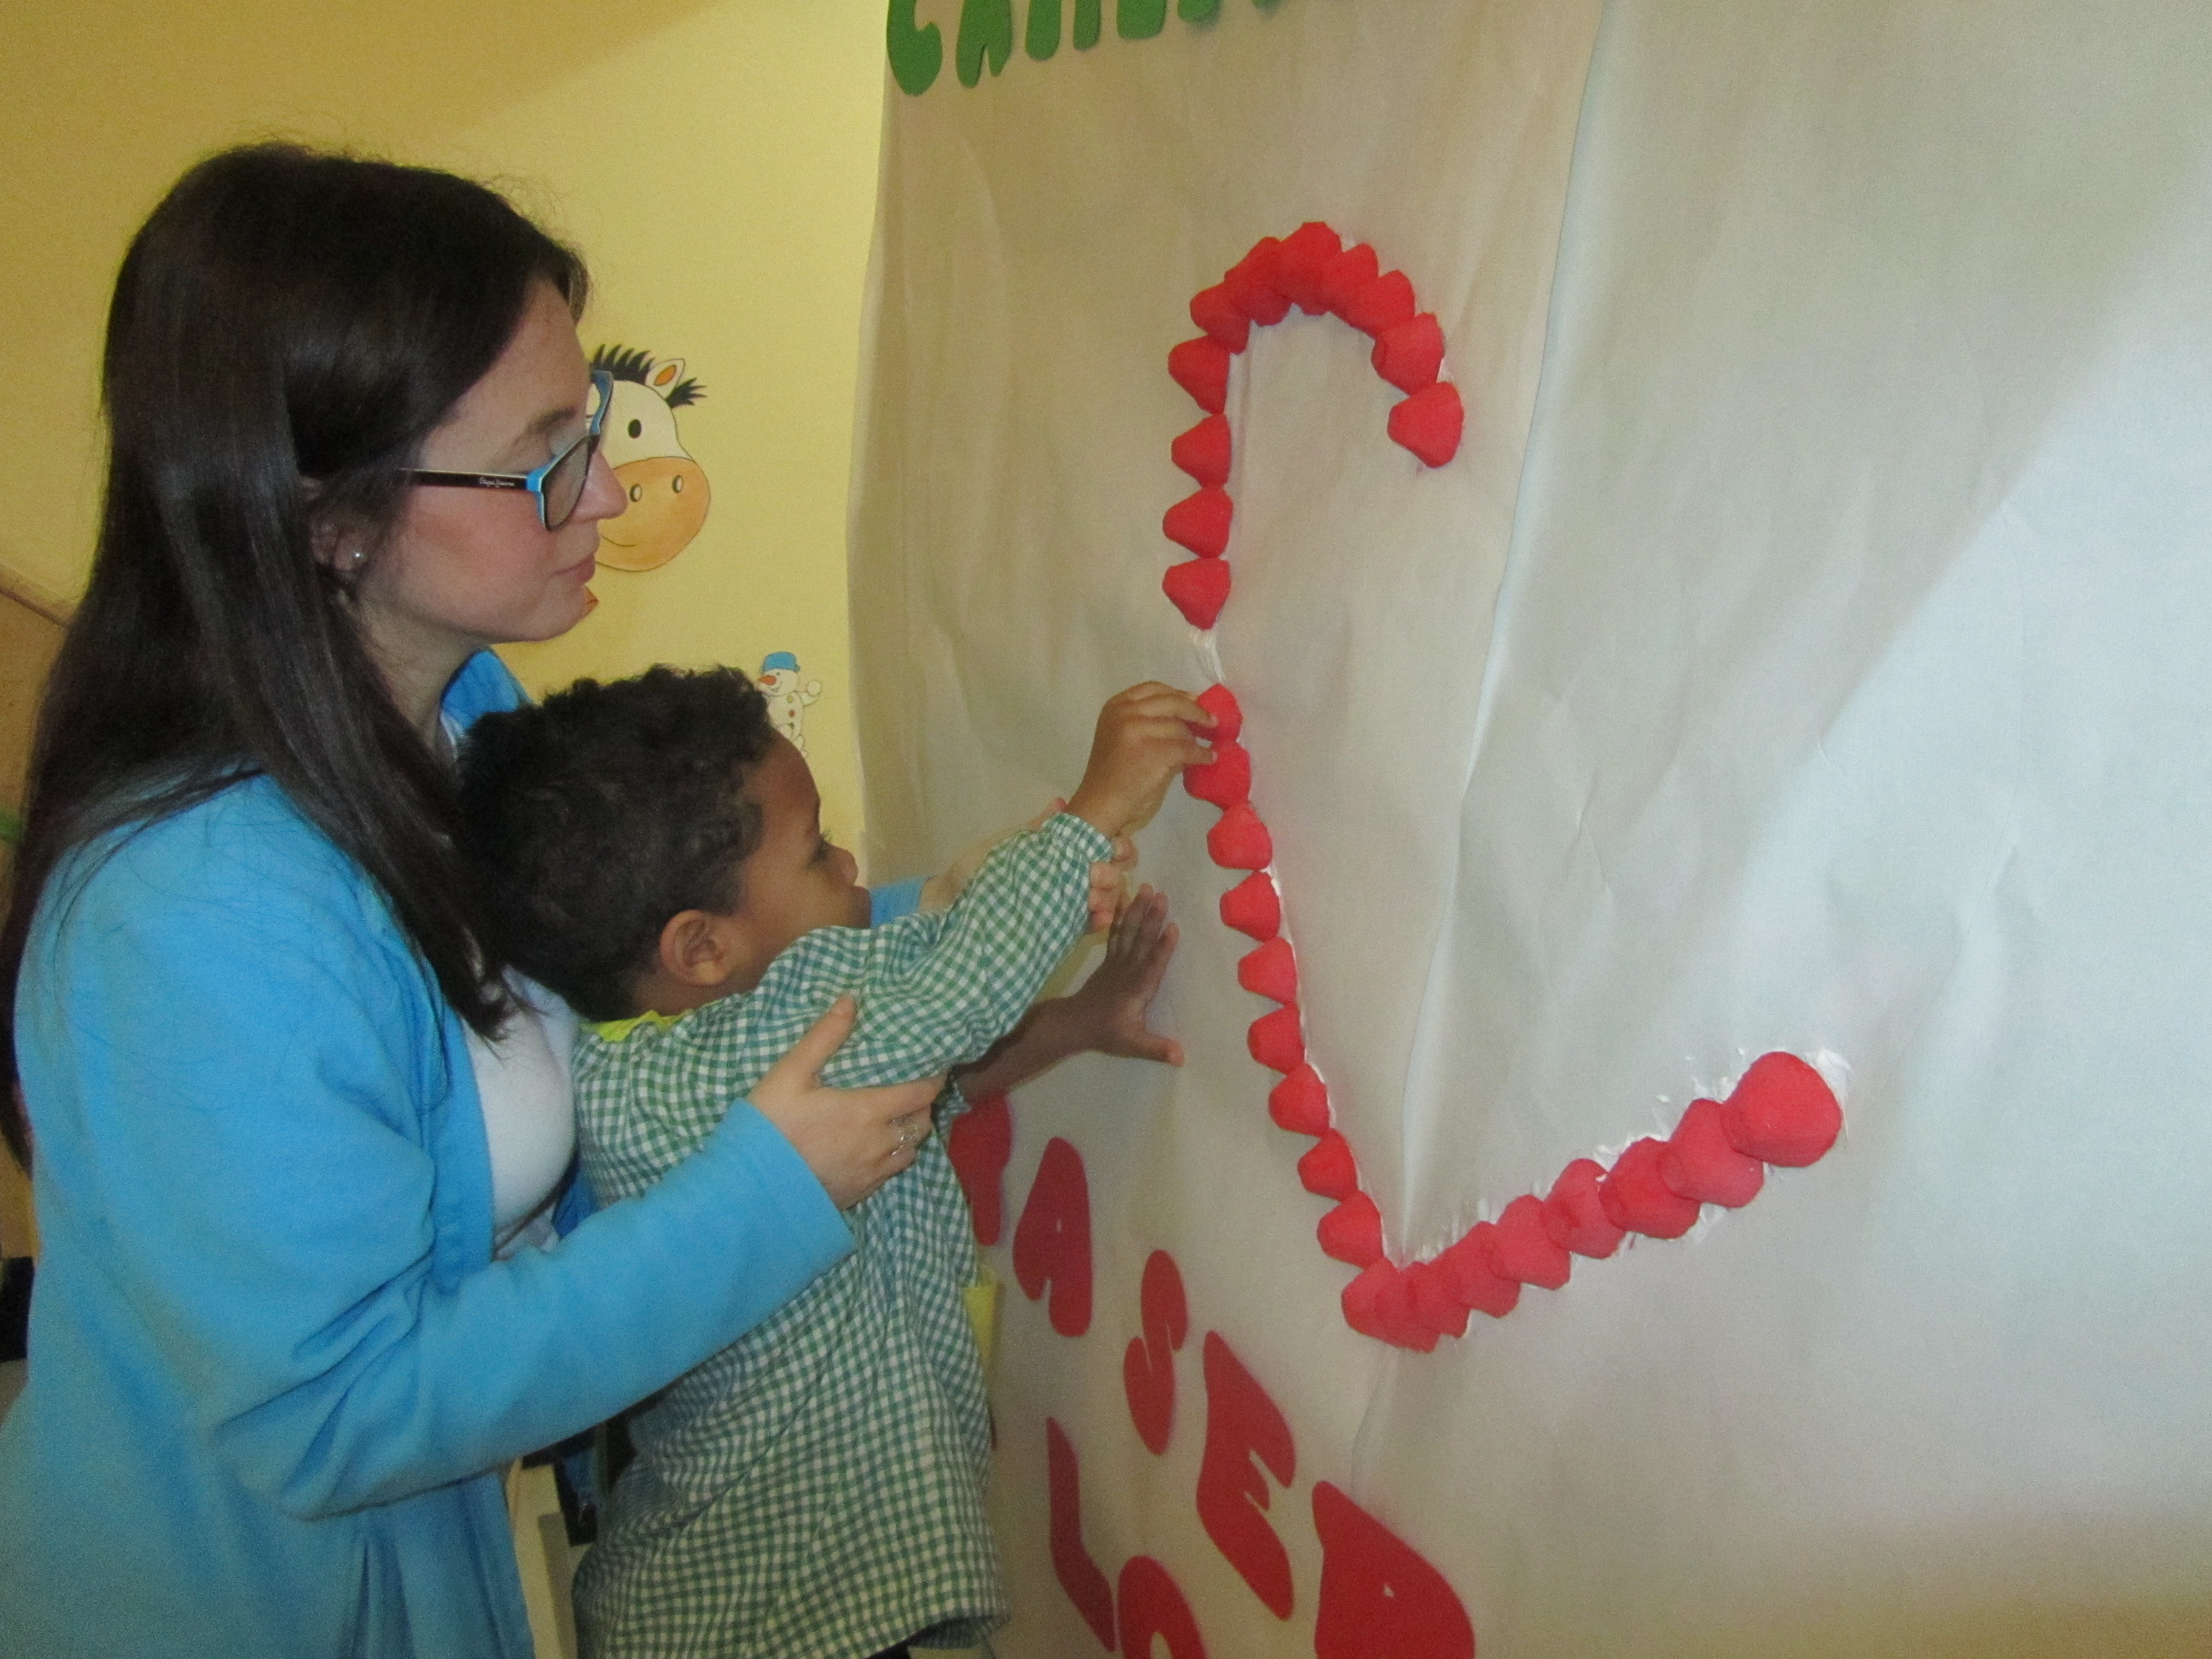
pixel 852 1139
pixel 1112 1005
pixel 1144 736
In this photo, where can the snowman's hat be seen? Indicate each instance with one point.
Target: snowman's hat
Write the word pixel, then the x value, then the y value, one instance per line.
pixel 776 660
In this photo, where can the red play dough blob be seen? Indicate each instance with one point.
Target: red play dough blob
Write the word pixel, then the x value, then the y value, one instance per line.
pixel 1251 282
pixel 979 1144
pixel 1521 1249
pixel 1200 587
pixel 1408 356
pixel 1276 1042
pixel 1470 1270
pixel 1212 310
pixel 1782 1112
pixel 1148 1375
pixel 1574 1214
pixel 1240 841
pixel 1353 1232
pixel 1328 1170
pixel 1382 304
pixel 1429 1298
pixel 1253 907
pixel 1700 1164
pixel 1348 273
pixel 1201 522
pixel 1270 971
pixel 1379 1599
pixel 1200 366
pixel 1431 422
pixel 1636 1198
pixel 1302 267
pixel 1203 451
pixel 1224 781
pixel 1379 1304
pixel 1300 1102
pixel 1220 702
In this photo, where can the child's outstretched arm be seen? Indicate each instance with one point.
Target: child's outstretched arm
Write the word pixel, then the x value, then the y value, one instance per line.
pixel 941 989
pixel 1106 1016
pixel 1108 878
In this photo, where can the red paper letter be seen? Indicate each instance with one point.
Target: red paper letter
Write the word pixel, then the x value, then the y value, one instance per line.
pixel 1241 1422
pixel 1378 1599
pixel 980 1140
pixel 1151 1605
pixel 1052 1241
pixel 1072 1564
pixel 1148 1368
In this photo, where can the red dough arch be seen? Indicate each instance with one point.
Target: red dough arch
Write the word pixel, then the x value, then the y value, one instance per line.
pixel 1782 1113
pixel 1313 270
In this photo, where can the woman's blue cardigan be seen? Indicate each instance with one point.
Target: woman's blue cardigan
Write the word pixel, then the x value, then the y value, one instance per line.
pixel 274 1369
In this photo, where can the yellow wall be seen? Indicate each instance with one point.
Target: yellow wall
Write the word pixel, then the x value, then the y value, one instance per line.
pixel 715 159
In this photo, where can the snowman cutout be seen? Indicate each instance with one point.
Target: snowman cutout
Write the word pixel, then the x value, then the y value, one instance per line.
pixel 787 695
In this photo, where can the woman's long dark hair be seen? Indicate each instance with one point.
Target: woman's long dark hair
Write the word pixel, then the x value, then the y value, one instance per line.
pixel 286 330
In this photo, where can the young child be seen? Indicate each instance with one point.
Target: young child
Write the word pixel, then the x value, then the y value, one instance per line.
pixel 654 852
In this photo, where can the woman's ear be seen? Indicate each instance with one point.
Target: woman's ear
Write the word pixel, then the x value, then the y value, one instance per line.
pixel 339 548
pixel 699 949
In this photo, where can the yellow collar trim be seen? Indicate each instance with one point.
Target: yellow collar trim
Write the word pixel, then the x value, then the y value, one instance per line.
pixel 614 1031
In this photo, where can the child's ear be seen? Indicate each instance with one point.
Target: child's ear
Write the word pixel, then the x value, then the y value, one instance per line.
pixel 699 948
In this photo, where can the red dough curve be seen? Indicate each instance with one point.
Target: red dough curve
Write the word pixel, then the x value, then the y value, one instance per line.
pixel 1782 1112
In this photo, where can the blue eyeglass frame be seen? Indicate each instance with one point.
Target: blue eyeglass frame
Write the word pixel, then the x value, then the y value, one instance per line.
pixel 534 481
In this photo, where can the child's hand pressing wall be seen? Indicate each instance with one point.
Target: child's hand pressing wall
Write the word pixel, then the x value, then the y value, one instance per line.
pixel 1109 1015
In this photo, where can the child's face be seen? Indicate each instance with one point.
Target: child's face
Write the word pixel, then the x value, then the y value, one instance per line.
pixel 795 880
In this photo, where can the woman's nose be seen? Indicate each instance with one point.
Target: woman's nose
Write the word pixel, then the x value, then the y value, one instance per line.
pixel 603 496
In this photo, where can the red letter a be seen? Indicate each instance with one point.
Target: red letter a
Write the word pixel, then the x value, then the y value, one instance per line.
pixel 1153 1610
pixel 1378 1599
pixel 1052 1241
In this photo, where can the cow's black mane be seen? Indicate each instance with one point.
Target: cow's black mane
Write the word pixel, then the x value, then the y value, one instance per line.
pixel 626 364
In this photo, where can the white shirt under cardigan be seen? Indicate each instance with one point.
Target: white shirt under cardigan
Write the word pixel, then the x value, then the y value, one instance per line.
pixel 529 1113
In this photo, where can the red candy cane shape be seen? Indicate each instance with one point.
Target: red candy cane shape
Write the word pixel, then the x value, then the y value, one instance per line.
pixel 1782 1113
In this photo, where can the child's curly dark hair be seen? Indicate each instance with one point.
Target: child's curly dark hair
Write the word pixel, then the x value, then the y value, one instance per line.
pixel 593 817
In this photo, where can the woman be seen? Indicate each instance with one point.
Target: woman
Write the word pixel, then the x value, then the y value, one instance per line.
pixel 296 1128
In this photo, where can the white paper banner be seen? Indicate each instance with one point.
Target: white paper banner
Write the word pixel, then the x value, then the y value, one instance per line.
pixel 1809 648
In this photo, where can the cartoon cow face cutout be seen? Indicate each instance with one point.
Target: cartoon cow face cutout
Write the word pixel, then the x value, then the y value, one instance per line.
pixel 667 491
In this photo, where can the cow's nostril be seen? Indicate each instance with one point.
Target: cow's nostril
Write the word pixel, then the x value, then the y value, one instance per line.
pixel 676 483
pixel 637 492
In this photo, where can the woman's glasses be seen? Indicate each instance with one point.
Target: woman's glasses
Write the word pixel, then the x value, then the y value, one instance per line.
pixel 558 484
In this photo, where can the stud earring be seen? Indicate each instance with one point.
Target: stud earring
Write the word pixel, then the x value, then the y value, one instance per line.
pixel 357 557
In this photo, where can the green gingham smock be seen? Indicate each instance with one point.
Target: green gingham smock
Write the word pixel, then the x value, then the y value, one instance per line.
pixel 815 1490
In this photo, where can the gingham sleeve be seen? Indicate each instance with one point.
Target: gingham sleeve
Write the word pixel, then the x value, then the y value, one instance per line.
pixel 938 990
